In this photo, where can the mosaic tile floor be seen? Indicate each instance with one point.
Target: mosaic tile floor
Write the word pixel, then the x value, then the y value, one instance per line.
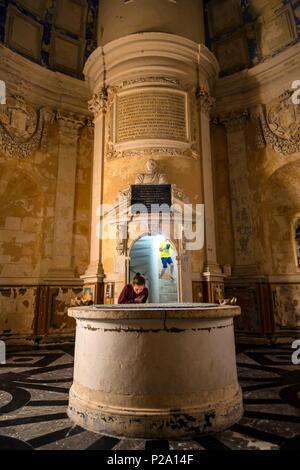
pixel 34 387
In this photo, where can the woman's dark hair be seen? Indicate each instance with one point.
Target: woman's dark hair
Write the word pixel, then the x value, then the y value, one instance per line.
pixel 139 280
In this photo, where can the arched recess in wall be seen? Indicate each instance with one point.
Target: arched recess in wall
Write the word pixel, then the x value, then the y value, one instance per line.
pixel 282 209
pixel 145 258
pixel 21 223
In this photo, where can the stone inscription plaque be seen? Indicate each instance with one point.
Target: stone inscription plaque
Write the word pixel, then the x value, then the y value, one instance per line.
pixel 151 115
pixel 151 194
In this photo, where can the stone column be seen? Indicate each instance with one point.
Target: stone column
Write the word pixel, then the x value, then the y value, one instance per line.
pixel 240 195
pixel 69 126
pixel 94 274
pixel 204 104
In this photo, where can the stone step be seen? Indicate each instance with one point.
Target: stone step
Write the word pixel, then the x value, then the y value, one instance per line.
pixel 168 286
pixel 168 290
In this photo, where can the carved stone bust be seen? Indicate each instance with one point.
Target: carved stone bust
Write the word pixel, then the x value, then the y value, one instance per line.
pixel 152 176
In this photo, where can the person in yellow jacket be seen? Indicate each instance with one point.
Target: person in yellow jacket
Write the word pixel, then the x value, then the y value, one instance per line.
pixel 166 258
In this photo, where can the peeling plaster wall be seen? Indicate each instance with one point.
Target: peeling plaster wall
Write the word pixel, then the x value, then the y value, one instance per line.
pixel 21 221
pixel 17 308
pixel 30 192
pixel 82 214
pixel 287 305
pixel 274 204
pixel 60 302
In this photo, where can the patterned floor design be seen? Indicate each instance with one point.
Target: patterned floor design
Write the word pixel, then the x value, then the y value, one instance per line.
pixel 34 387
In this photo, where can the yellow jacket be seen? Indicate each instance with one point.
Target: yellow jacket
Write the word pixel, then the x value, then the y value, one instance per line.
pixel 166 247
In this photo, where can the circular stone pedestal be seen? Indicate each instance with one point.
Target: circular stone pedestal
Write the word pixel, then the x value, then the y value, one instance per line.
pixel 155 371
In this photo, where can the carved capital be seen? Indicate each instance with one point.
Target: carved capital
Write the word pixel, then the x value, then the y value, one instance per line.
pixel 205 102
pixel 234 121
pixel 69 123
pixel 98 104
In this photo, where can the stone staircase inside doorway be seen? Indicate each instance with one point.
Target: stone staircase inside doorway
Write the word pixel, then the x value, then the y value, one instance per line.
pixel 168 291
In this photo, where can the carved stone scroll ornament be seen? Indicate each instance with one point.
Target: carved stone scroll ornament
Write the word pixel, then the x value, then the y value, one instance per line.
pixel 23 129
pixel 204 100
pixel 98 104
pixel 179 194
pixel 280 124
pixel 146 80
pixel 112 154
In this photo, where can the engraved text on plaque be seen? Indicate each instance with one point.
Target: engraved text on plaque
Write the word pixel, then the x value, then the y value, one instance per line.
pixel 151 114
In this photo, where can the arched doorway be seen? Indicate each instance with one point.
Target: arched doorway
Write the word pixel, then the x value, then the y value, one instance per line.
pixel 145 258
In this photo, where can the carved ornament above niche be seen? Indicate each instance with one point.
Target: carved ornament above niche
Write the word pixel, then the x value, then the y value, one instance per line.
pixel 280 125
pixel 283 117
pixel 22 128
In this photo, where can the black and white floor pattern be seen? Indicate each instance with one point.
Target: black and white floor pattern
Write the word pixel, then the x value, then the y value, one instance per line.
pixel 34 387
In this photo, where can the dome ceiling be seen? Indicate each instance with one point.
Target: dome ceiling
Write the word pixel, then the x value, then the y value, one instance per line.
pixel 59 35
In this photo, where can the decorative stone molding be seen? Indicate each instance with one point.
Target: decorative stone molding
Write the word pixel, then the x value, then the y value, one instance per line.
pixel 163 53
pixel 205 102
pixel 112 154
pixel 152 176
pixel 40 86
pixel 90 127
pixel 124 195
pixel 121 239
pixel 70 123
pixel 260 142
pixel 23 129
pixel 215 122
pixel 89 124
pixel 146 80
pixel 261 84
pixel 179 194
pixel 98 104
pixel 279 125
pixel 49 117
pixel 234 121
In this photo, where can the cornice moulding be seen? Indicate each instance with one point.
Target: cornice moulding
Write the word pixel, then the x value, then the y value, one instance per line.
pixel 41 86
pixel 136 54
pixel 260 84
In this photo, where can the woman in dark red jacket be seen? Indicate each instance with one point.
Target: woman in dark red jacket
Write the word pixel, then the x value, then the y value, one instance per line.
pixel 134 293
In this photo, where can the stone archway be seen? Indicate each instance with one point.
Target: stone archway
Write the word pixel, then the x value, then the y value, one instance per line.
pixel 144 257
